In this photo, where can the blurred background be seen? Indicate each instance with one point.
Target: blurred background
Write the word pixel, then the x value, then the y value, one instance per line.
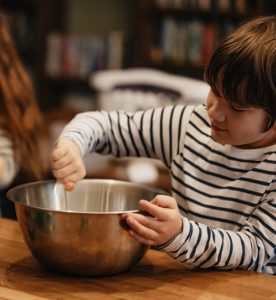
pixel 108 54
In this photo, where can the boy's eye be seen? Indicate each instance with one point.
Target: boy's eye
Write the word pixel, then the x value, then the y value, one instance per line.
pixel 238 109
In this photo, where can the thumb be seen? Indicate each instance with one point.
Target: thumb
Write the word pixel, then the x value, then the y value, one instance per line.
pixel 69 186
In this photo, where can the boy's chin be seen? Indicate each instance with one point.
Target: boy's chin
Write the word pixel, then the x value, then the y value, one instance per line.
pixel 218 139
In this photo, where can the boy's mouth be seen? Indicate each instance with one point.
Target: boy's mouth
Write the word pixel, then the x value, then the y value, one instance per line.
pixel 217 128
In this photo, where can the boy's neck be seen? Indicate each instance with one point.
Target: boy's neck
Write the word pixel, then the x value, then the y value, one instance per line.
pixel 267 140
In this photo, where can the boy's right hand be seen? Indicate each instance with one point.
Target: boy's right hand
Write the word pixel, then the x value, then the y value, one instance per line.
pixel 67 164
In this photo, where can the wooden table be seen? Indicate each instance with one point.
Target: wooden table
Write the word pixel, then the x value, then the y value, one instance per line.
pixel 157 276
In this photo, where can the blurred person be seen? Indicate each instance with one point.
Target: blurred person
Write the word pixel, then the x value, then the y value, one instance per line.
pixel 20 118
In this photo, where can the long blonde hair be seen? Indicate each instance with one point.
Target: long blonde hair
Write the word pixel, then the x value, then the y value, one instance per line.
pixel 20 116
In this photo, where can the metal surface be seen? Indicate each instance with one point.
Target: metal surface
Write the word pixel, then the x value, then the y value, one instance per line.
pixel 80 232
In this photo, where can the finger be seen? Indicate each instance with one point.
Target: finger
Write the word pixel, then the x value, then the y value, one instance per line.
pixel 164 201
pixel 146 220
pixel 69 186
pixel 75 177
pixel 64 172
pixel 68 182
pixel 143 231
pixel 58 153
pixel 154 210
pixel 141 239
pixel 61 163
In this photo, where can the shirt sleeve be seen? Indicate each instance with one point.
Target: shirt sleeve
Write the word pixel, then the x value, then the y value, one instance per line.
pixel 155 133
pixel 252 247
pixel 8 165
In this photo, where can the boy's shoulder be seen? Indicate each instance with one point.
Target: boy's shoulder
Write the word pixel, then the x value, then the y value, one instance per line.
pixel 200 111
pixel 199 108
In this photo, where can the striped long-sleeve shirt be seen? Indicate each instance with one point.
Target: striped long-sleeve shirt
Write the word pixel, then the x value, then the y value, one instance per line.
pixel 226 195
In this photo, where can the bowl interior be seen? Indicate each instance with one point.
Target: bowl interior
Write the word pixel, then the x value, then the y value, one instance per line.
pixel 89 196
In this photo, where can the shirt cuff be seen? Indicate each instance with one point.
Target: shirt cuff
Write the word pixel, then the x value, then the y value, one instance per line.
pixel 178 240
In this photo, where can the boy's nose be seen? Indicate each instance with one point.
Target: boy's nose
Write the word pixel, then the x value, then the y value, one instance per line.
pixel 216 112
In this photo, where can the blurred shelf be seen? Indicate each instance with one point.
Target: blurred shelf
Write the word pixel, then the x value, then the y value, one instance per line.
pixel 67 82
pixel 161 25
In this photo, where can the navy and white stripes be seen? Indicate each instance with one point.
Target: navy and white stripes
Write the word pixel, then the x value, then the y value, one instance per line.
pixel 227 196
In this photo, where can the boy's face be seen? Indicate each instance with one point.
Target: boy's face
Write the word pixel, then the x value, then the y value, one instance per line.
pixel 242 128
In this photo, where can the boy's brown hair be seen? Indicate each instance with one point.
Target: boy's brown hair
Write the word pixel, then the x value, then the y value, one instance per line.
pixel 243 67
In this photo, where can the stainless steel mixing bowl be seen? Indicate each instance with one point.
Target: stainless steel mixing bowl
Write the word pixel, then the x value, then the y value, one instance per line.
pixel 80 232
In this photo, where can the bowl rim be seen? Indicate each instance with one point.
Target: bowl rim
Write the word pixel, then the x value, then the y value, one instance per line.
pixel 10 195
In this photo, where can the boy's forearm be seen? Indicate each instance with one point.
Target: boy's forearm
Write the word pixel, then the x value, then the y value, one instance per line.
pixel 86 130
pixel 108 133
pixel 200 246
pixel 142 134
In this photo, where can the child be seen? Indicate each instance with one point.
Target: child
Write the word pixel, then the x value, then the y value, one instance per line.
pixel 223 205
pixel 20 118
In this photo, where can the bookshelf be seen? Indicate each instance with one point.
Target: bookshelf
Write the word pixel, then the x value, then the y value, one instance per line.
pixel 93 39
pixel 61 60
pixel 179 36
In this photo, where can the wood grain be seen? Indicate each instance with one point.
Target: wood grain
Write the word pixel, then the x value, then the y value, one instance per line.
pixel 157 276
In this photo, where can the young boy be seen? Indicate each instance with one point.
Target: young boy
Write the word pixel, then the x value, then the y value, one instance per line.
pixel 222 212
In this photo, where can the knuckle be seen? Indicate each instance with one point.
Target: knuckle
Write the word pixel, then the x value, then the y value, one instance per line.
pixel 54 156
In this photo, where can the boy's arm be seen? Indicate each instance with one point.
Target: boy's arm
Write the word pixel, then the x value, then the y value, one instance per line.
pixel 154 133
pixel 252 247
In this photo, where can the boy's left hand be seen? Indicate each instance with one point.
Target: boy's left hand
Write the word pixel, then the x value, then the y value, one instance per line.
pixel 162 224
